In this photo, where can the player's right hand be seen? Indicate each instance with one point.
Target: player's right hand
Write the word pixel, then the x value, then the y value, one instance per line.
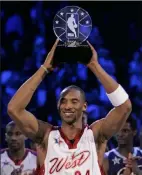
pixel 49 59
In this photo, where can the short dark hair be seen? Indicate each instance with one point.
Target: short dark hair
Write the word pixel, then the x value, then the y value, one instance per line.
pixel 12 123
pixel 67 89
pixel 132 122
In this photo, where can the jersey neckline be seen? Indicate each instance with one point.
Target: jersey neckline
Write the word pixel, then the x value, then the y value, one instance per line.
pixel 76 139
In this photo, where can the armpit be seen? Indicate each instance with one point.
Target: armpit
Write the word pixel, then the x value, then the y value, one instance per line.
pixel 101 139
pixel 42 129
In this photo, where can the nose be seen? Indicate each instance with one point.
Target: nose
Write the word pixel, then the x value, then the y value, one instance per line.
pixel 68 106
pixel 13 138
pixel 120 134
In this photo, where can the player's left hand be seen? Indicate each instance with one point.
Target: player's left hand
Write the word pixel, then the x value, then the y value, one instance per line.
pixel 94 58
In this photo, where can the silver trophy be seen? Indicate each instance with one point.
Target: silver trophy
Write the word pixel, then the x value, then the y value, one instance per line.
pixel 72 25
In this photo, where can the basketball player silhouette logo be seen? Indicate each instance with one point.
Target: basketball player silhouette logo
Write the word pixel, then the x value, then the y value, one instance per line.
pixel 72 24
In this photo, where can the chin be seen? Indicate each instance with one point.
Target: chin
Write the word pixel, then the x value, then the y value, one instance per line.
pixel 122 143
pixel 15 149
pixel 70 122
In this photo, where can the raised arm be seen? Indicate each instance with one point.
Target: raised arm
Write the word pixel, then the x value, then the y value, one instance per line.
pixel 30 126
pixel 115 119
pixel 106 165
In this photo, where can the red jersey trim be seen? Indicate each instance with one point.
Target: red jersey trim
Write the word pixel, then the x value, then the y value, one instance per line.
pixel 3 150
pixel 18 162
pixel 76 139
pixel 40 170
pixel 102 170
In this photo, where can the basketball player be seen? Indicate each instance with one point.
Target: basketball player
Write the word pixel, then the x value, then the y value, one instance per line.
pixel 72 24
pixel 16 159
pixel 71 147
pixel 117 160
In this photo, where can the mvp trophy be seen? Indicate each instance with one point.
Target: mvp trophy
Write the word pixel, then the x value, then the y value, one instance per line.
pixel 72 25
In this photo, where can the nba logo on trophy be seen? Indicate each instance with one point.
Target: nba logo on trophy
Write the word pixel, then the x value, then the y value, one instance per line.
pixel 72 25
pixel 72 30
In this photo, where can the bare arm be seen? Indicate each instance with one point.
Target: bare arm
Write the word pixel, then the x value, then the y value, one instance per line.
pixel 101 149
pixel 106 165
pixel 30 126
pixel 115 119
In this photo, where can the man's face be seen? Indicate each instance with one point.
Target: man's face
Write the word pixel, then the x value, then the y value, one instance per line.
pixel 125 135
pixel 14 137
pixel 71 106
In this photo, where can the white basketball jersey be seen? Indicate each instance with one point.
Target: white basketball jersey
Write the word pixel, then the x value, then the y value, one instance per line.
pixel 81 159
pixel 8 166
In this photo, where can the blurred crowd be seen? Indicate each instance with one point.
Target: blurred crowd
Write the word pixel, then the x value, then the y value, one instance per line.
pixel 26 39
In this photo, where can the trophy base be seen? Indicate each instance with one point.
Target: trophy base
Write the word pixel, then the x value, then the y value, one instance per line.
pixel 72 53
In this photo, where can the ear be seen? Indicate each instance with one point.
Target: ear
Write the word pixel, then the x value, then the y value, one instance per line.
pixel 25 137
pixel 85 107
pixel 58 104
pixel 5 137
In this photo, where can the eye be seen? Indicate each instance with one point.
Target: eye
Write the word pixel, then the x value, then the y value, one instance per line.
pixel 125 130
pixel 63 101
pixel 74 101
pixel 9 133
pixel 18 133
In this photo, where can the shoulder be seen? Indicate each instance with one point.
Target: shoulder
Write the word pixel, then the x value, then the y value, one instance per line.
pixel 3 150
pixel 32 152
pixel 109 153
pixel 96 127
pixel 43 128
pixel 138 151
pixel 44 125
pixel 49 131
pixel 97 124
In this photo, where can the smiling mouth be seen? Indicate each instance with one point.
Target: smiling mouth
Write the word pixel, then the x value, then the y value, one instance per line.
pixel 68 113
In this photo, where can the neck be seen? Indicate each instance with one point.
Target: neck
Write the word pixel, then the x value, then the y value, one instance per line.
pixel 71 130
pixel 125 149
pixel 18 154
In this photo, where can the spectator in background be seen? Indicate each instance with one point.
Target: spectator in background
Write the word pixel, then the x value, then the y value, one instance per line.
pixel 114 159
pixel 16 159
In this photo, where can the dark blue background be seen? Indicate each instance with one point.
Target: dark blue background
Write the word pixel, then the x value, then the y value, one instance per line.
pixel 27 36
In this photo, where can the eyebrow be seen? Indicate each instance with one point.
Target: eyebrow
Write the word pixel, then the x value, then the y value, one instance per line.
pixel 70 99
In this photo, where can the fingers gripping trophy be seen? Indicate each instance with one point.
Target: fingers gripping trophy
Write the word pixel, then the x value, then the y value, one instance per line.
pixel 72 25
